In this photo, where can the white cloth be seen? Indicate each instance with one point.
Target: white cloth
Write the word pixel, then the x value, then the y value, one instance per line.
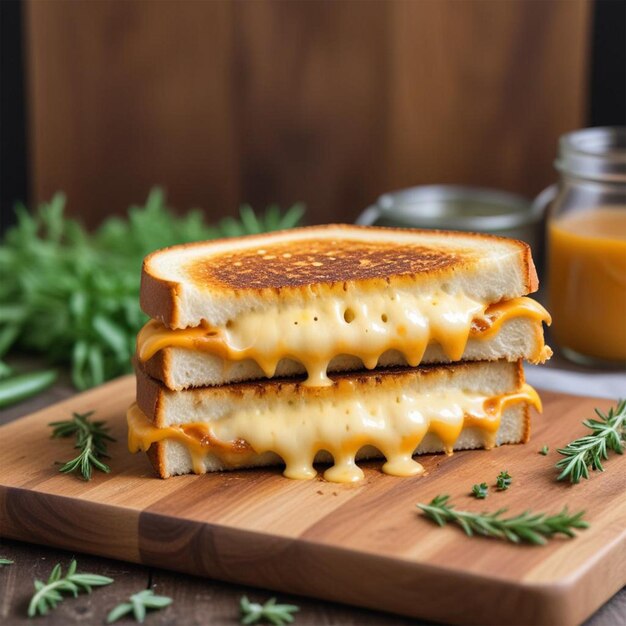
pixel 561 375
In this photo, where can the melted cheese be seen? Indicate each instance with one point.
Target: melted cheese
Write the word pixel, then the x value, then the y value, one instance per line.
pixel 393 421
pixel 365 328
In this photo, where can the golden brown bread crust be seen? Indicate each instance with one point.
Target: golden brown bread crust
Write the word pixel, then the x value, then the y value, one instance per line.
pixel 530 271
pixel 156 455
pixel 295 264
pixel 320 268
pixel 151 393
pixel 157 297
pixel 158 366
pixel 526 435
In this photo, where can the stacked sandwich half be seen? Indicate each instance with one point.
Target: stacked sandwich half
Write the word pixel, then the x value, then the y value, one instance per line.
pixel 334 343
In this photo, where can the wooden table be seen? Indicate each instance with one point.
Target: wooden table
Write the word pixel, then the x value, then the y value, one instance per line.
pixel 196 600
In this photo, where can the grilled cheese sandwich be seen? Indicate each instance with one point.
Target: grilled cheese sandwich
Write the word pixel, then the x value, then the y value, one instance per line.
pixel 390 414
pixel 316 301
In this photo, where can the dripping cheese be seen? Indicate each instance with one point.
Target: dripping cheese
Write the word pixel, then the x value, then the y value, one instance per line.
pixel 393 421
pixel 366 328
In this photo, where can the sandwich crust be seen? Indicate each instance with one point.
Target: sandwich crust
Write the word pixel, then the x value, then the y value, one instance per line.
pixel 292 264
pixel 228 275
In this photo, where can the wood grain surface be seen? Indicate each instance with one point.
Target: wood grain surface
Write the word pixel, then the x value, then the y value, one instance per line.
pixel 198 601
pixel 332 103
pixel 359 544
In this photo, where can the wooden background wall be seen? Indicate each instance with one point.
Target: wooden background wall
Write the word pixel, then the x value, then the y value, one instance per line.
pixel 328 102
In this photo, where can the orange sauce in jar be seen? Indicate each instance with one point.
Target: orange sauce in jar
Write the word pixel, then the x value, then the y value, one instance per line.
pixel 587 285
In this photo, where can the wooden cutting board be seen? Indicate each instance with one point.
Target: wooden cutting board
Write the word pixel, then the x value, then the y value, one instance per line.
pixel 362 544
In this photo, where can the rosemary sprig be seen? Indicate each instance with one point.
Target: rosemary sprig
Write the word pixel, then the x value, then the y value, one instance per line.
pixel 480 491
pixel 48 595
pixel 277 614
pixel 503 481
pixel 4 561
pixel 529 527
pixel 91 440
pixel 544 450
pixel 607 433
pixel 138 604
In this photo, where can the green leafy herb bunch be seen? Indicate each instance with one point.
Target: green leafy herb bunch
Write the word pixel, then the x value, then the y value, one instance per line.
pixel 73 296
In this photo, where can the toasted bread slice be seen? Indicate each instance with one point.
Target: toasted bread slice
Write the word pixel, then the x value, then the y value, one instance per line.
pixel 214 282
pixel 391 413
pixel 183 368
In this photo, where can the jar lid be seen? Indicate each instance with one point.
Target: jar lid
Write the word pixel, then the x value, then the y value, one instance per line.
pixel 594 153
pixel 452 207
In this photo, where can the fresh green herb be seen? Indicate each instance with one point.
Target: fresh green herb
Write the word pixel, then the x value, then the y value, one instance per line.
pixel 277 614
pixel 544 450
pixel 480 491
pixel 503 481
pixel 48 595
pixel 4 561
pixel 91 440
pixel 530 527
pixel 73 295
pixel 138 604
pixel 607 433
pixel 17 388
pixel 5 370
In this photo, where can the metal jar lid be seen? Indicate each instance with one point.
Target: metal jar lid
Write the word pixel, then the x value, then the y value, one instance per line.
pixel 452 207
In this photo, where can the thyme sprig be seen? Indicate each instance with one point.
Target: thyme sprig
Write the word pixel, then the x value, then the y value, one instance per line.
pixel 138 604
pixel 607 433
pixel 277 614
pixel 535 528
pixel 503 481
pixel 48 595
pixel 4 561
pixel 480 491
pixel 91 440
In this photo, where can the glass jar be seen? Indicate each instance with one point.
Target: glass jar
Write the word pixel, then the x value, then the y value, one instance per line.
pixel 587 247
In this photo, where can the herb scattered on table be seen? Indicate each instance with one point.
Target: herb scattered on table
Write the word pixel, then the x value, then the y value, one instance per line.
pixel 535 528
pixel 607 433
pixel 4 561
pixel 480 491
pixel 91 440
pixel 544 450
pixel 277 614
pixel 503 481
pixel 73 296
pixel 21 386
pixel 48 595
pixel 138 604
